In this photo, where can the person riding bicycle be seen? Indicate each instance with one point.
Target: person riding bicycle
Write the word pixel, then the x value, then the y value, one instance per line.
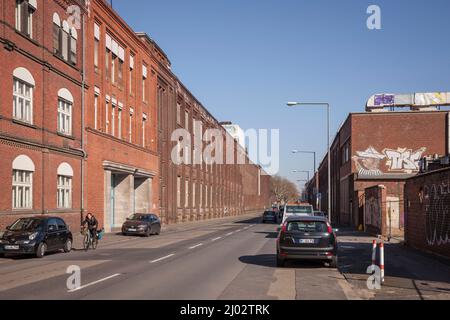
pixel 92 225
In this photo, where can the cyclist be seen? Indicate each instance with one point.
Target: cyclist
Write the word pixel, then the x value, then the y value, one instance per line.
pixel 92 225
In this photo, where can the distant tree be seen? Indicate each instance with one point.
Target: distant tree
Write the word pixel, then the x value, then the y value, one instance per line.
pixel 283 190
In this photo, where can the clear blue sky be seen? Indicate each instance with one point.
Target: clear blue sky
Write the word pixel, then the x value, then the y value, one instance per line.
pixel 243 59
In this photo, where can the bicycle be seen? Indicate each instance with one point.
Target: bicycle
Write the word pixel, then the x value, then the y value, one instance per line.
pixel 88 241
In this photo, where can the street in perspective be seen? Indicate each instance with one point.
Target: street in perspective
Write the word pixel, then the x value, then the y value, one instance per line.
pixel 227 150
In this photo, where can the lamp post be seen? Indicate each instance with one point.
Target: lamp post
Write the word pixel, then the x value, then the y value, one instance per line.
pixel 327 105
pixel 316 176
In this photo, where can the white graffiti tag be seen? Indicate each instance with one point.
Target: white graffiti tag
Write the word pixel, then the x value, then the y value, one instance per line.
pixel 403 159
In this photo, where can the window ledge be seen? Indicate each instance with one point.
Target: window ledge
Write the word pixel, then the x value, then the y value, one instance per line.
pixel 57 56
pixel 23 35
pixel 23 123
pixel 66 136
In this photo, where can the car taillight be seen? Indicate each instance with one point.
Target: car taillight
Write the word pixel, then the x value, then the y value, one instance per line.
pixel 330 229
pixel 284 227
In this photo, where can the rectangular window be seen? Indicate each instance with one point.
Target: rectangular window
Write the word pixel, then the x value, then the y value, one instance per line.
pixel 201 195
pixel 24 17
pixel 178 192
pixel 186 120
pixel 206 196
pixel 186 193
pixel 119 123
pixel 96 47
pixel 131 84
pixel 23 101
pixel 130 132
pixel 113 68
pixel 144 89
pixel 120 73
pixel 113 119
pixel 64 117
pixel 193 194
pixel 179 113
pixel 96 111
pixel 107 116
pixel 144 124
pixel 107 67
pixel 22 190
pixel 64 192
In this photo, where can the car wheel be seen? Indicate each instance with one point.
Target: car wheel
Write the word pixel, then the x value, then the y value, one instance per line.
pixel 334 262
pixel 68 246
pixel 148 232
pixel 41 250
pixel 280 262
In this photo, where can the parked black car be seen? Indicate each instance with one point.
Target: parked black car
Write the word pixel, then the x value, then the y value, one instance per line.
pixel 307 238
pixel 144 224
pixel 37 236
pixel 269 216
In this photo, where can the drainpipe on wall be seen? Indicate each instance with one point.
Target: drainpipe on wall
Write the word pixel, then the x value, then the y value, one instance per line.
pixel 83 81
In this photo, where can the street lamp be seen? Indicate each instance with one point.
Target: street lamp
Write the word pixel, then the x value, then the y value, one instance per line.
pixel 327 105
pixel 316 176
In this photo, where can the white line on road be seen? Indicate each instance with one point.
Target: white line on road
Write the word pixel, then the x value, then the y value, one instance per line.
pixel 94 283
pixel 229 234
pixel 163 258
pixel 215 239
pixel 196 246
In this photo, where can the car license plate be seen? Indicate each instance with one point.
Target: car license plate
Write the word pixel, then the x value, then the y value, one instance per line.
pixel 11 247
pixel 132 230
pixel 306 241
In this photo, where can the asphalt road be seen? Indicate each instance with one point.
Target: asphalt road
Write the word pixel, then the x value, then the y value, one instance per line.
pixel 217 260
pixel 230 259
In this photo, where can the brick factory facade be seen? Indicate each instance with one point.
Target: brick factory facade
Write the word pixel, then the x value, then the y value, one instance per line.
pixel 121 120
pixel 41 111
pixel 379 149
pixel 105 149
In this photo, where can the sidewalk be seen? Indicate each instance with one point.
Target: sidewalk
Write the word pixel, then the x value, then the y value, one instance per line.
pixel 410 274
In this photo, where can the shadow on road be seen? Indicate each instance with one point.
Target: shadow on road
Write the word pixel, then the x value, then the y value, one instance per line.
pixel 269 260
pixel 269 235
pixel 248 221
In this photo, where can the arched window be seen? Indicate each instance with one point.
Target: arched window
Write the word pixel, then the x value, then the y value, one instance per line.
pixel 57 34
pixel 22 184
pixel 73 46
pixel 23 86
pixel 24 16
pixel 64 187
pixel 65 105
pixel 65 40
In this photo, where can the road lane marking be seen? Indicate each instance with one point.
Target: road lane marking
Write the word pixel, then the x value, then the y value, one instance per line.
pixel 94 283
pixel 229 234
pixel 196 246
pixel 163 258
pixel 215 239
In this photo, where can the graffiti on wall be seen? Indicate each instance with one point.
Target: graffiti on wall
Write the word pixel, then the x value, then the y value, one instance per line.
pixel 402 160
pixel 436 199
pixel 373 212
pixel 368 162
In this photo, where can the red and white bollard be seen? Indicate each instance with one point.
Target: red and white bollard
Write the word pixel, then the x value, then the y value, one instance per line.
pixel 382 261
pixel 374 254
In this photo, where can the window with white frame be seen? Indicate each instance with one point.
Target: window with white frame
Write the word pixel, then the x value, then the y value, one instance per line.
pixel 24 16
pixel 113 117
pixel 119 121
pixel 65 104
pixel 64 186
pixel 107 114
pixel 130 126
pixel 144 125
pixel 96 97
pixel 96 45
pixel 22 183
pixel 23 101
pixel 144 83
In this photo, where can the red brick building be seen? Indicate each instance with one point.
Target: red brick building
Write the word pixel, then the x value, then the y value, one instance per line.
pixel 105 149
pixel 41 136
pixel 379 149
pixel 121 119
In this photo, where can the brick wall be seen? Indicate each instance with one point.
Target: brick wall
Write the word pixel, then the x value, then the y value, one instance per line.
pixel 427 203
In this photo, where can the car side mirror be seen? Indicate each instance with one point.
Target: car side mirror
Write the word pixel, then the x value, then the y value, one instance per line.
pixel 8 228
